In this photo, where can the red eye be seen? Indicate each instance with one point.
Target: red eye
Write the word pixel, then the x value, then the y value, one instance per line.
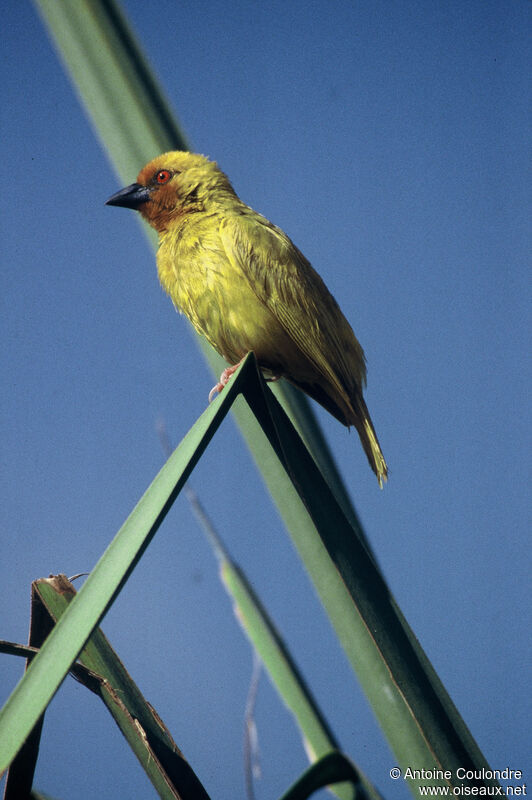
pixel 163 176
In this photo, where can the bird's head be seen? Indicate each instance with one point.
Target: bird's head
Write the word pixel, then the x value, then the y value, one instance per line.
pixel 173 185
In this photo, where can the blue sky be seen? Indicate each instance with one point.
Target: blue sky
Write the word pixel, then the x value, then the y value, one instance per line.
pixel 388 140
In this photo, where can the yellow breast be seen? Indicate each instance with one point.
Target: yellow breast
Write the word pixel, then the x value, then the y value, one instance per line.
pixel 214 294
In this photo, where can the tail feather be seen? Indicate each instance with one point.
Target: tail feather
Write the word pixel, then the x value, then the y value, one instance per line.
pixel 368 437
pixel 351 409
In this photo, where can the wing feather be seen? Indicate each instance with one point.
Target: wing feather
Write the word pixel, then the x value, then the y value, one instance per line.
pixel 286 283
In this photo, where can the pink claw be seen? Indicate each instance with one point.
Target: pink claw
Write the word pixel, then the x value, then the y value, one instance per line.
pixel 224 379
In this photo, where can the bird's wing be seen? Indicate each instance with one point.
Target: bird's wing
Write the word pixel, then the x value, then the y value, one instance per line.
pixel 292 290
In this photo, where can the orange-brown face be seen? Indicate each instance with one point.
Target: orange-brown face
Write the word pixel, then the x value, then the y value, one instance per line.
pixel 166 188
pixel 164 202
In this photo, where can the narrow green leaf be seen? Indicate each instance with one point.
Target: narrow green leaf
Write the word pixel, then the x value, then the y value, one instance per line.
pixel 419 719
pixel 20 774
pixel 271 651
pixel 327 771
pixel 47 670
pixel 77 670
pixel 150 740
pixel 318 737
pixel 114 82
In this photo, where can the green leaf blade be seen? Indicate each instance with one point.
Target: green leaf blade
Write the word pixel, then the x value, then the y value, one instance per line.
pixel 48 669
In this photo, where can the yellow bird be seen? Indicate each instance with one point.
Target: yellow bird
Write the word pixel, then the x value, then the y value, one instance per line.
pixel 245 286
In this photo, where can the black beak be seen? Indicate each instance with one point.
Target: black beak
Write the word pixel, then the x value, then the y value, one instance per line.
pixel 131 197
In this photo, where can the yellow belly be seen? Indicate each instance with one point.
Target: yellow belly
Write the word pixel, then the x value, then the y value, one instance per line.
pixel 220 303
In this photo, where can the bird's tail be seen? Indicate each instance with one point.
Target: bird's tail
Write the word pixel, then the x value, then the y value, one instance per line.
pixel 351 409
pixel 368 437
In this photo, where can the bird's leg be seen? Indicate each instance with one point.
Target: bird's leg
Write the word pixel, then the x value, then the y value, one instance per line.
pixel 224 378
pixel 226 374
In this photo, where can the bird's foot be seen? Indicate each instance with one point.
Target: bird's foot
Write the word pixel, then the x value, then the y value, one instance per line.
pixel 224 379
pixel 226 375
